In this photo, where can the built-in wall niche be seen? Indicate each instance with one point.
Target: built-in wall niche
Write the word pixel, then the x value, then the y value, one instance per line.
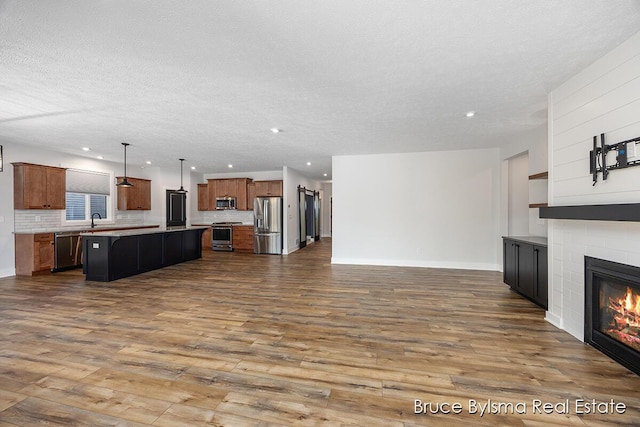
pixel 538 184
pixel 518 195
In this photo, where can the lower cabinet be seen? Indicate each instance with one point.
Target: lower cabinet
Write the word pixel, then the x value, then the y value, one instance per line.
pixel 206 239
pixel 525 269
pixel 34 253
pixel 243 238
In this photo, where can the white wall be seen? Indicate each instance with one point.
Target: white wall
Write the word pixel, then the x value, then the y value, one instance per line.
pixel 325 223
pixel 518 195
pixel 292 179
pixel 534 143
pixel 434 209
pixel 161 181
pixel 256 176
pixel 603 98
pixel 7 246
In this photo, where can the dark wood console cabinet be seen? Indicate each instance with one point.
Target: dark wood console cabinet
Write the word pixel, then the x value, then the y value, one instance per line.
pixel 525 267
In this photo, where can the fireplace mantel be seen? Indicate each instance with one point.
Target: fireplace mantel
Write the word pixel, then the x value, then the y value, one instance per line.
pixel 616 212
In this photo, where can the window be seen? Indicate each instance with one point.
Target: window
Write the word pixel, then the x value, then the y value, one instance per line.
pixel 87 193
pixel 80 207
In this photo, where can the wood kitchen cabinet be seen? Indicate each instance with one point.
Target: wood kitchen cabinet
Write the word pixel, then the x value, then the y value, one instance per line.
pixel 242 238
pixel 268 188
pixel 220 188
pixel 227 187
pixel 38 186
pixel 34 253
pixel 242 200
pixel 203 197
pixel 212 189
pixel 251 194
pixel 206 239
pixel 525 267
pixel 137 197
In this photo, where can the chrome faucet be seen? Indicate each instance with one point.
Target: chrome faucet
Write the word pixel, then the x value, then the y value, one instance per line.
pixel 92 215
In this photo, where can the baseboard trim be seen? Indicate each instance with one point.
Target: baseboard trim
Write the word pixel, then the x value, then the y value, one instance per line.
pixel 421 264
pixel 8 272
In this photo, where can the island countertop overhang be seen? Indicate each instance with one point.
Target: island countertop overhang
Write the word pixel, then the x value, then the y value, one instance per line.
pixel 141 231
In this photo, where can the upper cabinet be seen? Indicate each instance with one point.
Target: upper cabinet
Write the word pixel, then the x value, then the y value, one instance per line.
pixel 137 197
pixel 251 194
pixel 225 187
pixel 228 187
pixel 203 197
pixel 243 189
pixel 241 194
pixel 38 186
pixel 268 188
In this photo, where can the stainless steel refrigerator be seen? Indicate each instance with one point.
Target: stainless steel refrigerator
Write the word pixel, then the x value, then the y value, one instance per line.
pixel 267 228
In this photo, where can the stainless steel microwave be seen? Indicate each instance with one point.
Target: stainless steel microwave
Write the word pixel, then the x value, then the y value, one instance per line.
pixel 225 203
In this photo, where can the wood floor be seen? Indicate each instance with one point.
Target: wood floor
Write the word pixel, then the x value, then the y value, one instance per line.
pixel 240 339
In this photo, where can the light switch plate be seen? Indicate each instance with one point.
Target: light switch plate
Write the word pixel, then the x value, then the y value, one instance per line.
pixel 96 246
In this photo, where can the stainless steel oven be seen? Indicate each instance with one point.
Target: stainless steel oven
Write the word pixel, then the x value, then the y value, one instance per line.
pixel 222 237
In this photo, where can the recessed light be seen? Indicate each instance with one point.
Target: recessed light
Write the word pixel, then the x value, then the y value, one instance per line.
pixel 230 165
pixel 470 114
pixel 276 130
pixel 148 162
pixel 86 149
pixel 325 174
pixel 100 157
pixel 308 163
pixel 193 168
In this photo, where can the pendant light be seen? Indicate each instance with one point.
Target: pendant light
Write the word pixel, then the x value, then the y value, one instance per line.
pixel 181 190
pixel 125 182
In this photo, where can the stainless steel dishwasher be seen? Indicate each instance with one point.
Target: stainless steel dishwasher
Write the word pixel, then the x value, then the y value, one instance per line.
pixel 68 250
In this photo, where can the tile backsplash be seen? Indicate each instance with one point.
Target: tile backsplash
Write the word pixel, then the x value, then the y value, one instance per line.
pixel 27 220
pixel 34 220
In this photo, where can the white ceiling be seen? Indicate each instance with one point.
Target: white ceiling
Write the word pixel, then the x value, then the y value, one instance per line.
pixel 206 80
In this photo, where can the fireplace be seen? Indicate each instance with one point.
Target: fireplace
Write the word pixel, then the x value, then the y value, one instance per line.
pixel 612 310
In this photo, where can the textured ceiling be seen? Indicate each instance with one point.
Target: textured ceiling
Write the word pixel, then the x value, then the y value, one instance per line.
pixel 207 80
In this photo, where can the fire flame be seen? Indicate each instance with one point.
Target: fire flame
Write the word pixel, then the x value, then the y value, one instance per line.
pixel 627 309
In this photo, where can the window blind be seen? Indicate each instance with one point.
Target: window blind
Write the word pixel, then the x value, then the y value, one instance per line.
pixel 88 182
pixel 75 206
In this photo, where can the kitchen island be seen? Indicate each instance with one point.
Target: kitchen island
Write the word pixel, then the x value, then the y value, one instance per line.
pixel 112 255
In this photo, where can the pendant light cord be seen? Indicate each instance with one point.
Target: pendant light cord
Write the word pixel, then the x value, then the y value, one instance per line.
pixel 181 161
pixel 125 159
pixel 182 190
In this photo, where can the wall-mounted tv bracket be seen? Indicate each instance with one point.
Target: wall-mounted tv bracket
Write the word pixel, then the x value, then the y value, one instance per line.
pixel 598 157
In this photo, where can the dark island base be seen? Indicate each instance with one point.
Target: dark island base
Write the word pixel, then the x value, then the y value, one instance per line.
pixel 112 257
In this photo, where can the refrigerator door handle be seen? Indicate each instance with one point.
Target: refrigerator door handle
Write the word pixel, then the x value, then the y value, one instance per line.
pixel 266 214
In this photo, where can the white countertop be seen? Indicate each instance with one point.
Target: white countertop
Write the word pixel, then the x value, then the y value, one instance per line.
pixel 140 231
pixel 86 230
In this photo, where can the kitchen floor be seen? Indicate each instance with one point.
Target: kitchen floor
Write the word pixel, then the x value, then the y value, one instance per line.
pixel 241 339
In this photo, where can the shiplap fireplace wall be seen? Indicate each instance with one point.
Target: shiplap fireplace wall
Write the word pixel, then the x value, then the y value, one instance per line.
pixel 603 98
